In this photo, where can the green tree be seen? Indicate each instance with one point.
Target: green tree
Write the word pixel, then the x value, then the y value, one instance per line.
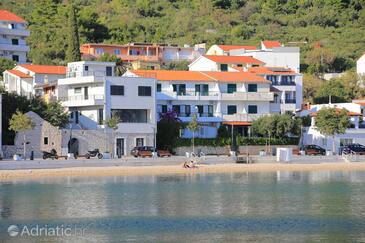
pixel 55 114
pixel 331 121
pixel 334 89
pixel 168 130
pixel 193 126
pixel 320 60
pixel 20 122
pixel 5 64
pixel 311 84
pixel 73 47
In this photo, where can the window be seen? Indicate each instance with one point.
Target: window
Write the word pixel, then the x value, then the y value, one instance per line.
pixel 139 142
pixel 131 115
pixel 77 90
pixel 345 141
pixel 187 110
pixel 109 71
pixel 117 51
pixel 11 26
pixel 252 87
pixel 99 51
pixel 182 89
pixel 158 87
pixel 200 109
pixel 16 58
pixel 45 140
pixel 252 109
pixel 116 90
pixel 15 42
pixel 231 109
pixel 86 68
pixel 210 110
pixel 231 88
pixel 100 116
pixel 224 67
pixel 164 108
pixel 176 108
pixel 144 91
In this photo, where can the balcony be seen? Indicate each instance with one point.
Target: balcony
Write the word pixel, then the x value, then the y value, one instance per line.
pixel 201 117
pixel 81 100
pixel 16 32
pixel 289 101
pixel 85 74
pixel 243 117
pixel 10 47
pixel 249 96
pixel 188 95
pixel 80 80
pixel 151 58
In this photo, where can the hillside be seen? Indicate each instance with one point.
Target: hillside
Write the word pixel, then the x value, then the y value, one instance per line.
pixel 329 30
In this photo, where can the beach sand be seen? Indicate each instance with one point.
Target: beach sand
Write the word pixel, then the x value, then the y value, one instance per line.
pixel 8 175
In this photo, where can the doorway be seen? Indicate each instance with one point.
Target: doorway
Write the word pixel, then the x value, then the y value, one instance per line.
pixel 119 144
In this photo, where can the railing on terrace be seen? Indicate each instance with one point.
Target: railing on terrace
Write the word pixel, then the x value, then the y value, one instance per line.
pixel 81 97
pixel 243 116
pixel 290 101
pixel 191 114
pixel 85 74
pixel 284 83
pixel 192 93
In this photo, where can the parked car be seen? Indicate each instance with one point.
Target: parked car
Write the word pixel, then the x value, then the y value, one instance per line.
pixel 163 153
pixel 355 147
pixel 314 150
pixel 142 150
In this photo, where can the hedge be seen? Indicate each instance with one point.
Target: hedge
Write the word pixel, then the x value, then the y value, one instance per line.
pixel 184 142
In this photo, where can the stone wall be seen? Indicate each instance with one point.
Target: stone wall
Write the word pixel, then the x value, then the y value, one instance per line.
pixel 209 150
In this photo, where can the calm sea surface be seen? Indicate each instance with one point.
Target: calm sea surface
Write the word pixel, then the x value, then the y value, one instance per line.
pixel 249 207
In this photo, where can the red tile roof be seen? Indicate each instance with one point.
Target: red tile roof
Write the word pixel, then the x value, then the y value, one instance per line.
pixel 233 59
pixel 9 16
pixel 45 69
pixel 170 75
pixel 19 73
pixel 271 44
pixel 237 123
pixel 349 113
pixel 234 47
pixel 270 70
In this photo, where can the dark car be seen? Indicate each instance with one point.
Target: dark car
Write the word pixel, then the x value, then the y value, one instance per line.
pixel 354 148
pixel 314 150
pixel 145 151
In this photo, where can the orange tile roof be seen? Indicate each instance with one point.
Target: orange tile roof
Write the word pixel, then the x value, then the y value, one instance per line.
pixel 271 44
pixel 234 47
pixel 349 113
pixel 45 69
pixel 234 59
pixel 359 102
pixel 270 70
pixel 11 17
pixel 171 75
pixel 19 73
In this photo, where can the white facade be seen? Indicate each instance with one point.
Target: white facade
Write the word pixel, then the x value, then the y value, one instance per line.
pixel 13 33
pixel 186 53
pixel 23 79
pixel 212 100
pixel 93 94
pixel 355 134
pixel 360 65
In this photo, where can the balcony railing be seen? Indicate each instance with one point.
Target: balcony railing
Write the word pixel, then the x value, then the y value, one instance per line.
pixel 85 74
pixel 288 83
pixel 243 116
pixel 191 114
pixel 192 93
pixel 290 101
pixel 82 97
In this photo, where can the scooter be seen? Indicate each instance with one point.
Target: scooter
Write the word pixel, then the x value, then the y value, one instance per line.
pixel 51 155
pixel 94 153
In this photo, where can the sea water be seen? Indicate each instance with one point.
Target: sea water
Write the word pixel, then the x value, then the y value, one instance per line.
pixel 254 207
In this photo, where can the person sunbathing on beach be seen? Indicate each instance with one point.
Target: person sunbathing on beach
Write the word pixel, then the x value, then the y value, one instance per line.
pixel 190 164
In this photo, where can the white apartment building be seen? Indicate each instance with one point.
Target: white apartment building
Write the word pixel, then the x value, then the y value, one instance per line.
pixel 230 98
pixel 13 33
pixel 224 63
pixel 289 86
pixel 92 94
pixel 354 134
pixel 360 65
pixel 24 78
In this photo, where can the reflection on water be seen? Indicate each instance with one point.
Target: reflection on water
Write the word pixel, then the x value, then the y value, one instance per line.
pixel 281 206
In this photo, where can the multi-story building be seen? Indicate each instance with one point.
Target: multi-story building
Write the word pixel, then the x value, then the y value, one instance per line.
pixel 231 98
pixel 145 55
pixel 224 63
pixel 92 94
pixel 13 33
pixel 288 83
pixel 25 79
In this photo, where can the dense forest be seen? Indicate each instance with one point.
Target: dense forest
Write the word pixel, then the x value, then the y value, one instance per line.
pixel 336 26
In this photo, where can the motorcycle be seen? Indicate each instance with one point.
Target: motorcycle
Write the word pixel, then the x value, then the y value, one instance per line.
pixel 51 155
pixel 94 153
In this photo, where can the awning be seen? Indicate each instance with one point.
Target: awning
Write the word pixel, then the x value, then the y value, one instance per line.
pixel 237 123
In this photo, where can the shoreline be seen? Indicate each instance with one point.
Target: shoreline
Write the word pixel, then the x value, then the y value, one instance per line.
pixel 9 175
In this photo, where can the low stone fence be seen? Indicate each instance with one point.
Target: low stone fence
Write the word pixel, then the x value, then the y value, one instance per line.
pixel 251 149
pixel 10 150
